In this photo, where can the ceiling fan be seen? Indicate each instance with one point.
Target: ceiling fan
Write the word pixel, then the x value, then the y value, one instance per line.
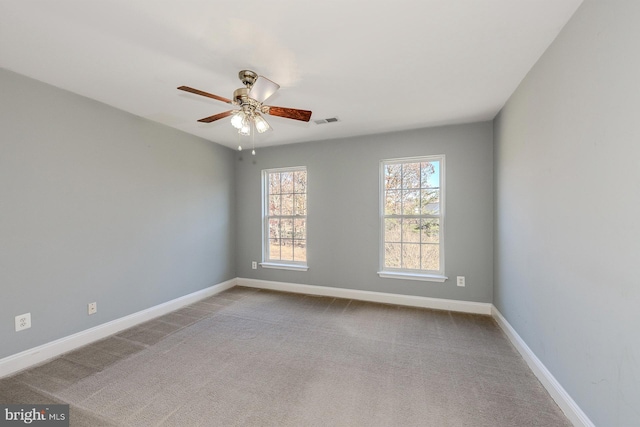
pixel 250 100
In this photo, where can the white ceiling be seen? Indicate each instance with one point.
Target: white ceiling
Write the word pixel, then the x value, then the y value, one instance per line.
pixel 378 66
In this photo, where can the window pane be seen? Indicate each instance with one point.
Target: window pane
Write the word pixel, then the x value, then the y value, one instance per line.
pixel 392 176
pixel 274 183
pixel 411 175
pixel 411 230
pixel 393 202
pixel 299 250
pixel 274 249
pixel 430 257
pixel 410 202
pixel 286 250
pixel 411 255
pixel 286 179
pixel 286 228
pixel 300 182
pixel 274 228
pixel 300 229
pixel 430 230
pixel 430 202
pixel 274 205
pixel 430 174
pixel 392 230
pixel 300 204
pixel 287 204
pixel 392 255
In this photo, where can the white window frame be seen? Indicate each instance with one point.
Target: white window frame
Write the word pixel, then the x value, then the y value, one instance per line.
pixel 414 274
pixel 277 264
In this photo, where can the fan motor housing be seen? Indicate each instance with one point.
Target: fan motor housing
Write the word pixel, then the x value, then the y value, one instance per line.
pixel 241 95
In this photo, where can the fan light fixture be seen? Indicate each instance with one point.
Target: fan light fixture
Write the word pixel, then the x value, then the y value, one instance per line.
pixel 243 121
pixel 236 120
pixel 261 124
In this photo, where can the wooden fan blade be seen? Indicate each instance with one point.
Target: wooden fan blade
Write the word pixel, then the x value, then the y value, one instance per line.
pixel 288 113
pixel 208 95
pixel 217 116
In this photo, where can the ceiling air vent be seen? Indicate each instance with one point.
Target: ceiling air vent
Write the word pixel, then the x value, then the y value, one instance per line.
pixel 329 120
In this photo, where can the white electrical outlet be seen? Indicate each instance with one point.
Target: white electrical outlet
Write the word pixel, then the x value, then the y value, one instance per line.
pixel 254 265
pixel 23 321
pixel 461 281
pixel 92 308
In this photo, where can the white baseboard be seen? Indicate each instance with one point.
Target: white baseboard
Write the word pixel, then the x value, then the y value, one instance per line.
pixel 409 300
pixel 34 356
pixel 570 408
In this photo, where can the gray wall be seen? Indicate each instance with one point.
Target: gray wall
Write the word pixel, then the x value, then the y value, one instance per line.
pixel 99 205
pixel 343 223
pixel 567 182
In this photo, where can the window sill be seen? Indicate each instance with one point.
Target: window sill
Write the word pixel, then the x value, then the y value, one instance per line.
pixel 293 267
pixel 412 276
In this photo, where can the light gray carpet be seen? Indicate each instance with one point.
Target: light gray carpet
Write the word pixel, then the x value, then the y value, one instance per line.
pixel 259 358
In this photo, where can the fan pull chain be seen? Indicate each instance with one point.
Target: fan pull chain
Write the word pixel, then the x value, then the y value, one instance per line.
pixel 253 138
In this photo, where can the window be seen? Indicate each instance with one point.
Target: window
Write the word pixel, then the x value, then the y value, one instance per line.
pixel 285 218
pixel 412 218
